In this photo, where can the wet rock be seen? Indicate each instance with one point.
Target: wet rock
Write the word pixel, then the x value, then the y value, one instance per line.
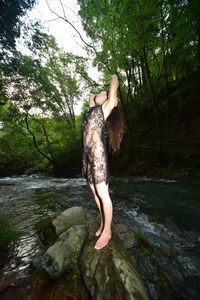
pixel 110 271
pixel 107 272
pixel 128 237
pixel 153 291
pixel 165 237
pixel 72 216
pixel 192 236
pixel 63 255
pixel 189 268
pixel 36 261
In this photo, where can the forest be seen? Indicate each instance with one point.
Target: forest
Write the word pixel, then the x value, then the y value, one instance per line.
pixel 154 49
pixel 49 214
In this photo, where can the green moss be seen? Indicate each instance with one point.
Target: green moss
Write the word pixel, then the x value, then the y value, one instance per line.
pixel 144 251
pixel 144 243
pixel 46 230
pixel 142 236
pixel 7 235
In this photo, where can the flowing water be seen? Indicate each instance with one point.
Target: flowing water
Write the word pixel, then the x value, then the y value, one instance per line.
pixel 166 211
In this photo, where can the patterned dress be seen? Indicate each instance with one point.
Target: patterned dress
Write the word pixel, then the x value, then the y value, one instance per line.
pixel 94 146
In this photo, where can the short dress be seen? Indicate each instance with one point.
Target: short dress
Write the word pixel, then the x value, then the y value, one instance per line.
pixel 94 146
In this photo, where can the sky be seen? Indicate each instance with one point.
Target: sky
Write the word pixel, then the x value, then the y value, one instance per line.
pixel 66 36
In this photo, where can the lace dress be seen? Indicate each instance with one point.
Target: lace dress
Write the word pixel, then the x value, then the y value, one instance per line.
pixel 94 146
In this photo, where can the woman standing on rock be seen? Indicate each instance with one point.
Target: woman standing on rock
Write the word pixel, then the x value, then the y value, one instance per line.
pixel 103 111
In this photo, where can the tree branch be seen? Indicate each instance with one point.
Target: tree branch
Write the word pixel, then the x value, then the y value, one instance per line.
pixel 34 139
pixel 66 20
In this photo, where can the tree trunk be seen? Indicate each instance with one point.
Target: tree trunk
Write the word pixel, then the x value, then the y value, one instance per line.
pixel 35 141
pixel 48 142
pixel 154 104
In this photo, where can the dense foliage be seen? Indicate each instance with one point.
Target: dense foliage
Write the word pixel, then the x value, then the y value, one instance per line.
pixel 10 23
pixel 154 48
pixel 40 130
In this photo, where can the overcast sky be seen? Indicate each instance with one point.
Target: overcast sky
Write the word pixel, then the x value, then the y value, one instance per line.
pixel 66 36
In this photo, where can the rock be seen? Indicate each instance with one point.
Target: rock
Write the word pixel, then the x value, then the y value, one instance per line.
pixel 63 255
pixel 72 216
pixel 128 237
pixel 110 271
pixel 36 261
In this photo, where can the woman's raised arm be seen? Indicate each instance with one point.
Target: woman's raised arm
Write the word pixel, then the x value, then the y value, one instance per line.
pixel 112 97
pixel 114 84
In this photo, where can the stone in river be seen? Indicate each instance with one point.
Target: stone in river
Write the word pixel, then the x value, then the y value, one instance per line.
pixel 109 273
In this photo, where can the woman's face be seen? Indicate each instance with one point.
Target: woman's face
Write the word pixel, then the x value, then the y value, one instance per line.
pixel 101 98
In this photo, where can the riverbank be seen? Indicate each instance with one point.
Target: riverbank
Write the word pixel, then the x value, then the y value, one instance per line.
pixel 169 173
pixel 124 170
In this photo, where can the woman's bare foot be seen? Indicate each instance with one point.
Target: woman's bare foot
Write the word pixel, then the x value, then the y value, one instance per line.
pixel 103 240
pixel 98 232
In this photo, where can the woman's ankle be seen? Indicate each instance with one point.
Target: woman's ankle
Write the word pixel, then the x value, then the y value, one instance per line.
pixel 106 230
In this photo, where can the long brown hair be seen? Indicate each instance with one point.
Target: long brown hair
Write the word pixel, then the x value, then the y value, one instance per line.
pixel 115 126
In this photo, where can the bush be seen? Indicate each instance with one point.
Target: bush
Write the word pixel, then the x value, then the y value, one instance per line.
pixel 46 230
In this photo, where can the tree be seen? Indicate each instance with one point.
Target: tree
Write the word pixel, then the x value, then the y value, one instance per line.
pixel 44 88
pixel 10 13
pixel 149 44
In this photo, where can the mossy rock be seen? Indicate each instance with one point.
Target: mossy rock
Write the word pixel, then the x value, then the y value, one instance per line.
pixel 144 251
pixel 70 286
pixel 142 237
pixel 46 230
pixel 173 253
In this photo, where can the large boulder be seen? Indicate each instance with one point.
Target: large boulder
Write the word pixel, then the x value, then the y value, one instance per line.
pixel 62 256
pixel 71 229
pixel 109 273
pixel 69 217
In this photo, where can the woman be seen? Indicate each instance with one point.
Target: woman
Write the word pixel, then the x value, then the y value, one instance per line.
pixel 104 112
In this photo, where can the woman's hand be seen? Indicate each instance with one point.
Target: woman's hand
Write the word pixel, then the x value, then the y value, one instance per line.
pixel 114 81
pixel 91 100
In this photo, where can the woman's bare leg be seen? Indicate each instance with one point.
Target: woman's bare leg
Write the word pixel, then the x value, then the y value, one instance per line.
pixel 103 193
pixel 99 204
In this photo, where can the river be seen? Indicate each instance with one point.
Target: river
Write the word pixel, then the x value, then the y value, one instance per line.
pixel 167 211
